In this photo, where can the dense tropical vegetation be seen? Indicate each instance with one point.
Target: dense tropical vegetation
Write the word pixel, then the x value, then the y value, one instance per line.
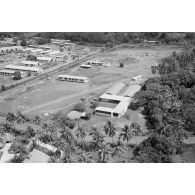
pixel 168 103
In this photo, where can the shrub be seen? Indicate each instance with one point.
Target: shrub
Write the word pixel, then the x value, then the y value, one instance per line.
pixel 3 88
pixel 30 132
pixel 28 74
pixel 80 107
pixel 17 75
pixel 87 116
pixel 127 116
pixel 31 57
pixel 94 104
pixel 121 65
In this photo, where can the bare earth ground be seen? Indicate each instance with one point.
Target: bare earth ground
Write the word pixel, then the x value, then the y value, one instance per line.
pixel 51 95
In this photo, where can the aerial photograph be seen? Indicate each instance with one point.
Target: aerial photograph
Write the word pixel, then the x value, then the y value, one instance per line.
pixel 97 97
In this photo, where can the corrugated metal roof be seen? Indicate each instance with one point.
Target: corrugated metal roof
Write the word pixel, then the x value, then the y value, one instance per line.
pixel 131 90
pixel 30 62
pixel 122 106
pixel 44 58
pixel 111 97
pixel 115 88
pixel 24 68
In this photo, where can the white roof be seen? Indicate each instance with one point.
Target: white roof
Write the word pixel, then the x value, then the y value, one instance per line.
pixel 24 68
pixel 44 58
pixel 28 49
pixel 30 62
pixel 138 77
pixel 111 97
pixel 36 50
pixel 131 90
pixel 74 77
pixel 115 88
pixel 54 52
pixel 68 43
pixel 122 106
pixel 85 66
pixel 48 51
pixel 104 109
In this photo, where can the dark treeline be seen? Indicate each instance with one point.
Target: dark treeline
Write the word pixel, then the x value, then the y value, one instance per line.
pixel 168 103
pixel 119 37
pixel 110 37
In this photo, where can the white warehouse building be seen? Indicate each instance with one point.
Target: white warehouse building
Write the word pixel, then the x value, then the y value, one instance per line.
pixel 30 63
pixel 122 101
pixel 24 68
pixel 71 78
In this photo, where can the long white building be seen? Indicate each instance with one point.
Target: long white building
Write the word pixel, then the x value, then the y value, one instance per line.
pixel 24 68
pixel 94 63
pixel 30 63
pixel 71 78
pixel 115 89
pixel 122 101
pixel 46 59
pixel 118 111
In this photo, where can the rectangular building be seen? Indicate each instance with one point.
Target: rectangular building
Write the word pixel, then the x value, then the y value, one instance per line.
pixel 85 66
pixel 30 63
pixel 94 63
pixel 137 78
pixel 131 90
pixel 7 72
pixel 115 89
pixel 46 59
pixel 24 68
pixel 71 78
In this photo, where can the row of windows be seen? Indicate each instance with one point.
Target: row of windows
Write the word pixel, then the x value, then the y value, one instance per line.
pixel 6 73
pixel 94 63
pixel 107 113
pixel 71 79
pixel 111 101
pixel 103 112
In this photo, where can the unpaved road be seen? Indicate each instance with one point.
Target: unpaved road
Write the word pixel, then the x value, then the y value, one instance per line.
pixel 66 102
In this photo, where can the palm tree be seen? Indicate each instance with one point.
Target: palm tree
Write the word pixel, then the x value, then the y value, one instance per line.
pixel 37 120
pixel 30 132
pixel 97 136
pixel 6 127
pixel 2 132
pixel 20 118
pixel 119 149
pixel 81 133
pixel 48 131
pixel 67 136
pixel 136 129
pixel 10 118
pixel 84 158
pixel 126 134
pixel 110 129
pixel 104 153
